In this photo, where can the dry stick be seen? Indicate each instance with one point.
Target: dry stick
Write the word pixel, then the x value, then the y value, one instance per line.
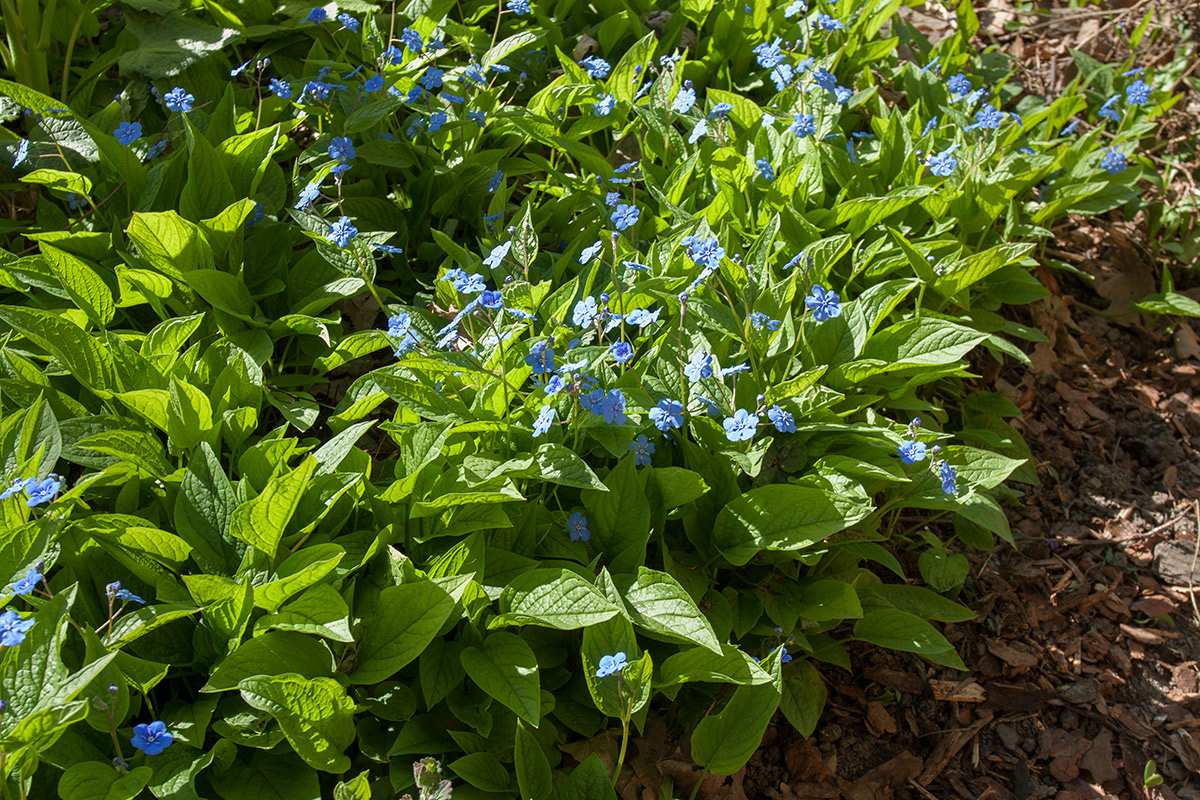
pixel 1192 571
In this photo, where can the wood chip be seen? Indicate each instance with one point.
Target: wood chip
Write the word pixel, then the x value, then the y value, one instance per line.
pixel 965 691
pixel 1142 635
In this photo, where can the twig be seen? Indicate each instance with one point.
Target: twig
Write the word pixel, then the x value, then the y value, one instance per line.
pixel 1192 571
pixel 922 790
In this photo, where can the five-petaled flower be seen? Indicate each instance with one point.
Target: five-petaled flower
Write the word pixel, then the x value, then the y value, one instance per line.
pixel 642 448
pixel 541 360
pixel 1113 161
pixel 625 216
pixel 784 422
pixel 741 426
pixel 667 414
pixel 612 407
pixel 13 628
pixel 128 132
pixel 803 125
pixel 28 583
pixel 611 665
pixel 824 303
pixel 342 232
pixel 179 100
pixel 911 452
pixel 341 147
pixel 152 739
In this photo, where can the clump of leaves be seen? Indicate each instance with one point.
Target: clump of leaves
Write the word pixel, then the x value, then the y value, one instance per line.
pixel 404 388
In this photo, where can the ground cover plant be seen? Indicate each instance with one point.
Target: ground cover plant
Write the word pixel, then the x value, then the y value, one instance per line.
pixel 463 384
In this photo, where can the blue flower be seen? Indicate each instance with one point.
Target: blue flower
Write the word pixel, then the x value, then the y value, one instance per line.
pixel 707 253
pixel 803 125
pixel 621 351
pixel 943 164
pixel 350 22
pixel 795 8
pixel 825 79
pixel 412 40
pixel 388 248
pixel 152 739
pixel 518 7
pixel 769 53
pixel 1138 93
pixel 765 169
pixel 782 75
pixel 315 90
pixel 341 147
pixel 315 15
pixel 643 317
pixel 22 152
pixel 179 100
pixel 933 123
pixel 720 110
pixel 498 254
pixel 959 85
pixel 697 132
pixel 585 312
pixel 555 385
pixel 783 420
pixel 605 106
pixel 784 656
pixel 701 366
pixel 577 526
pixel 612 407
pixel 667 414
pixel 28 583
pixel 987 117
pixel 492 299
pixel 543 422
pixel 1113 162
pixel 308 194
pixel 1107 111
pixel 825 304
pixel 541 360
pixel 911 452
pixel 128 132
pixel 642 449
pixel 596 67
pixel 684 99
pixel 829 24
pixel 949 478
pixel 1067 131
pixel 590 252
pixel 233 73
pixel 342 232
pixel 13 628
pixel 478 117
pixel 610 665
pixel 760 320
pixel 256 215
pixel 400 327
pixel 625 216
pixel 15 487
pixel 741 426
pixel 38 492
pixel 373 84
pixel 431 79
pixel 842 94
pixel 128 596
pixel 280 88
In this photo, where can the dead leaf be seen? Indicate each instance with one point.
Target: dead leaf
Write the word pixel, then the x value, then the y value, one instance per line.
pixel 879 721
pixel 1015 656
pixel 879 782
pixel 1142 635
pixel 1098 760
pixel 1187 345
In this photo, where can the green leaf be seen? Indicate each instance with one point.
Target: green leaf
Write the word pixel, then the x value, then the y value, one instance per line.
pixel 90 364
pixel 268 777
pixel 86 288
pixel 779 517
pixel 918 600
pixel 944 572
pixel 590 781
pixel 316 715
pixel 865 212
pixel 605 639
pixel 506 668
pixel 532 767
pixel 273 653
pixel 804 696
pixel 357 789
pixel 976 267
pixel 724 742
pixel 298 571
pixel 483 771
pixel 620 517
pixel 170 243
pixel 701 664
pixel 319 611
pixel 95 780
pixel 900 630
pixel 659 604
pixel 406 620
pixel 260 522
pixel 552 598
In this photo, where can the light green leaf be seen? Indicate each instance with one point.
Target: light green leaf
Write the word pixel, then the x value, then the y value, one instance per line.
pixel 658 603
pixel 261 521
pixel 779 517
pixel 273 653
pixel 552 598
pixel 316 715
pixel 724 742
pixel 900 630
pixel 406 620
